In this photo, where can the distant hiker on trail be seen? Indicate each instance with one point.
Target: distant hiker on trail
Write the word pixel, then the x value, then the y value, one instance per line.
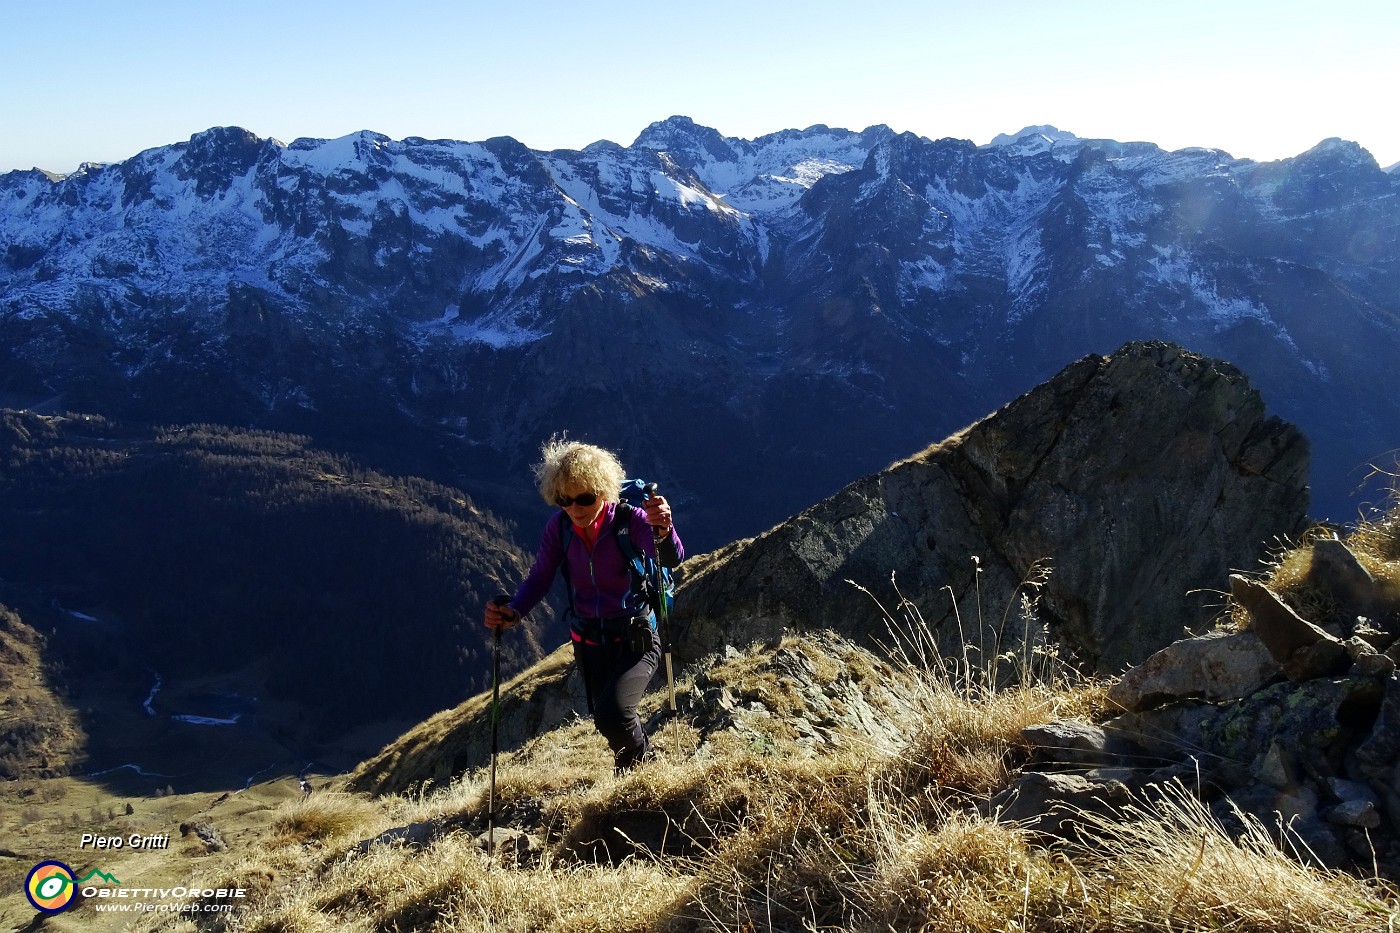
pixel 613 629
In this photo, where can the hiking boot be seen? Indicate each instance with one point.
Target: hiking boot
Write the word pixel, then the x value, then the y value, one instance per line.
pixel 628 759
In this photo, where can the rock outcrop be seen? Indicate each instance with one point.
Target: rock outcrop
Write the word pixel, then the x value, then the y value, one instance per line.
pixel 1140 476
pixel 1293 721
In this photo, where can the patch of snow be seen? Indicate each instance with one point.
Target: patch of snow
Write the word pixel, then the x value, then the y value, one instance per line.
pixel 495 335
pixel 1022 253
pixel 150 697
pixel 926 274
pixel 137 768
pixel 1222 312
pixel 208 720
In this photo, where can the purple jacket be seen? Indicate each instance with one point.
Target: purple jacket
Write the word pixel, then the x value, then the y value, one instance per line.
pixel 601 579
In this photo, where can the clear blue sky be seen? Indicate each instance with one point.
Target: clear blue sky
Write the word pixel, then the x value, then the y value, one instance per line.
pixel 101 81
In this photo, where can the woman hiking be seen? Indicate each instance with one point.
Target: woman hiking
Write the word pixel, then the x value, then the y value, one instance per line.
pixel 612 627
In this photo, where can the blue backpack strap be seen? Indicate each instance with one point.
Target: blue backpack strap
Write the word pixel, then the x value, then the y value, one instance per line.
pixel 642 567
pixel 636 561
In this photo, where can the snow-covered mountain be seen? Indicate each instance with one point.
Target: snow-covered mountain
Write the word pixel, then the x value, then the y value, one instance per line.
pixel 754 321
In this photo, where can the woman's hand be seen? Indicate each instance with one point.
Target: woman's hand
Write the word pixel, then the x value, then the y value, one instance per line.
pixel 501 616
pixel 658 512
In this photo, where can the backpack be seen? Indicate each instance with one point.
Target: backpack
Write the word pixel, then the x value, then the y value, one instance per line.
pixel 650 577
pixel 657 586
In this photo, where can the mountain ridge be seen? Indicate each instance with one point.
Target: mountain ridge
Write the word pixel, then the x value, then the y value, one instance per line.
pixel 823 299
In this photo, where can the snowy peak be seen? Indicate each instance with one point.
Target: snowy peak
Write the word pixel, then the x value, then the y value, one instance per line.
pixel 212 158
pixel 1034 139
pixel 766 176
pixel 682 135
pixel 1339 152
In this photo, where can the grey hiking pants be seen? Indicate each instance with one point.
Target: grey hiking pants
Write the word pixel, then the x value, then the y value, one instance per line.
pixel 616 676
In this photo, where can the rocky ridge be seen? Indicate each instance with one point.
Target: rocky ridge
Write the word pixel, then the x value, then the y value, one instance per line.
pixel 1295 722
pixel 1138 477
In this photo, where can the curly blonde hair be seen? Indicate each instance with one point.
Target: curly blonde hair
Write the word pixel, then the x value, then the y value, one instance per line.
pixel 573 463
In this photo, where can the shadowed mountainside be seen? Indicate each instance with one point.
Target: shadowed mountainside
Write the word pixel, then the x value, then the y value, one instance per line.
pixel 338 596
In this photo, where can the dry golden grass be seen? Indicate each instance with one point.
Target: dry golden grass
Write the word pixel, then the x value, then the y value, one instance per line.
pixel 771 843
pixel 1179 868
pixel 737 834
pixel 1376 543
pixel 324 816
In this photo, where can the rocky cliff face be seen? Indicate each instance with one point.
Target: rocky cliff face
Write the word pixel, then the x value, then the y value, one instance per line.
pixel 1138 477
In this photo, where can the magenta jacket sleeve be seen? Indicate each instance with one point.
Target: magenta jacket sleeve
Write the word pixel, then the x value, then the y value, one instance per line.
pixel 541 577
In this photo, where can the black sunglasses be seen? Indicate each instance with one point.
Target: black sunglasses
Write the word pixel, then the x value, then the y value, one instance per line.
pixel 584 499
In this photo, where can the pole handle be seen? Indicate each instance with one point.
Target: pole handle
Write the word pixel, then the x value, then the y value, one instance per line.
pixel 500 600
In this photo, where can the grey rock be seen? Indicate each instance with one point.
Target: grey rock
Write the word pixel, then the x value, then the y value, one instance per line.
pixel 1127 776
pixel 511 844
pixel 414 836
pixel 1350 791
pixel 1317 722
pixel 1301 649
pixel 1367 661
pixel 1278 807
pixel 1216 667
pixel 1057 804
pixel 1277 768
pixel 1336 571
pixel 1377 755
pixel 207 834
pixel 1359 648
pixel 1171 732
pixel 1359 805
pixel 1078 744
pixel 1359 813
pixel 1377 638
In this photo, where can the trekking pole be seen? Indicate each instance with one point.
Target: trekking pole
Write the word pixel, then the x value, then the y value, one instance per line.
pixel 500 600
pixel 663 619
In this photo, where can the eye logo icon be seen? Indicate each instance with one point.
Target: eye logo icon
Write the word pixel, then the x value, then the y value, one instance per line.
pixel 50 887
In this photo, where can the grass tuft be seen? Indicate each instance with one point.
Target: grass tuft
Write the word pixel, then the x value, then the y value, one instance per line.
pixel 324 816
